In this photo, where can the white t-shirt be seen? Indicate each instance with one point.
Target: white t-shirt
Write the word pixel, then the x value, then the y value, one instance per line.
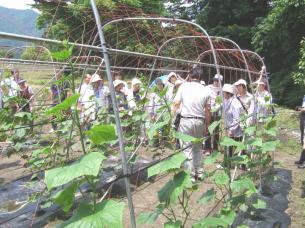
pixel 193 97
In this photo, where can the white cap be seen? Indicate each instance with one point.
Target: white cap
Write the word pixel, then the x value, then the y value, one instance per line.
pixel 117 82
pixel 228 88
pixel 241 82
pixel 135 81
pixel 178 82
pixel 218 76
pixel 172 74
pixel 202 82
pixel 95 78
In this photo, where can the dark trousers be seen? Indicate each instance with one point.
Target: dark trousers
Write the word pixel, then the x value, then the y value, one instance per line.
pixel 212 141
pixel 302 126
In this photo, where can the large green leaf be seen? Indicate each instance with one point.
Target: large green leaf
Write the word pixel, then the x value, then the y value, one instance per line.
pixel 213 126
pixel 63 54
pixel 184 137
pixel 257 142
pixel 108 214
pixel 151 131
pixel 238 186
pixel 270 146
pixel 272 131
pixel 89 165
pixel 211 159
pixel 66 197
pixel 210 222
pixel 260 204
pixel 173 162
pixel 231 142
pixel 221 178
pixel 175 187
pixel 65 105
pixel 171 224
pixel 207 196
pixel 250 130
pixel 150 218
pixel 100 134
pixel 228 216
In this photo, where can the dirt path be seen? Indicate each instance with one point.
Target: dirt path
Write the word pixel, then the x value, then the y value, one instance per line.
pixel 288 153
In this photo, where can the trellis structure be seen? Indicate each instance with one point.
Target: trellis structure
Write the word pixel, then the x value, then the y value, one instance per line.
pixel 164 45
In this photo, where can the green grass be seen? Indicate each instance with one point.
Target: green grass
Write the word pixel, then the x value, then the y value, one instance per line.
pixel 287 118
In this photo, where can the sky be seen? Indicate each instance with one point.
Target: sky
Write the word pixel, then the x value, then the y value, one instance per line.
pixel 16 4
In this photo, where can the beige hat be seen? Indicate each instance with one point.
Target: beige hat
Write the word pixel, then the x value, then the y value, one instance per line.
pixel 241 82
pixel 135 81
pixel 117 82
pixel 95 78
pixel 228 88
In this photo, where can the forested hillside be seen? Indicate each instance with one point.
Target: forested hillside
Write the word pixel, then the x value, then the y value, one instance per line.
pixel 18 21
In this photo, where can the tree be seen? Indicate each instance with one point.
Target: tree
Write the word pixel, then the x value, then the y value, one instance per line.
pixel 74 20
pixel 233 19
pixel 34 53
pixel 185 9
pixel 299 73
pixel 278 39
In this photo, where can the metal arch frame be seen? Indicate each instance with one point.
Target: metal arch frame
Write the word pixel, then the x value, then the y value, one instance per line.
pixel 79 65
pixel 173 20
pixel 96 48
pixel 213 37
pixel 250 52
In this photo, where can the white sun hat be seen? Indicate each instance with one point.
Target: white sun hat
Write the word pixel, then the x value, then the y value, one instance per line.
pixel 228 88
pixel 241 82
pixel 95 78
pixel 135 81
pixel 172 74
pixel 218 76
pixel 117 82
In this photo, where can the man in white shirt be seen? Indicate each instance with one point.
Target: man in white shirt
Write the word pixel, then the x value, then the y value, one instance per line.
pixel 194 100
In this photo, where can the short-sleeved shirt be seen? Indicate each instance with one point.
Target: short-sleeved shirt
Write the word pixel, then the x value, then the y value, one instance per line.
pixel 102 95
pixel 233 110
pixel 193 97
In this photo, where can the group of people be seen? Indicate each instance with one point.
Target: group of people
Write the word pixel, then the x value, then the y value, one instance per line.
pixel 193 104
pixel 198 106
pixel 18 93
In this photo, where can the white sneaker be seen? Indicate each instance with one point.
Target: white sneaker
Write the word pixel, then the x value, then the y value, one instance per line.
pixel 51 131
